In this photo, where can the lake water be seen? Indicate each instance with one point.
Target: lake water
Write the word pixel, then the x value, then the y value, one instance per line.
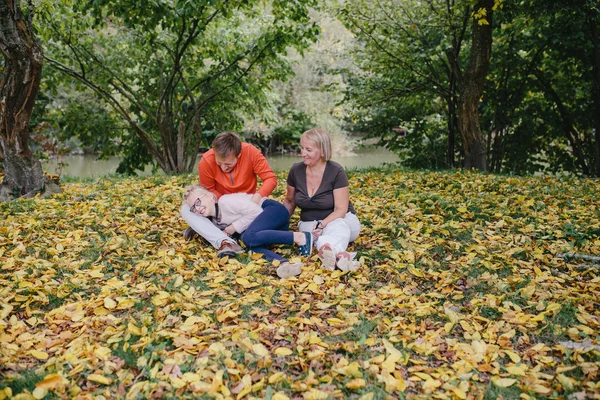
pixel 87 166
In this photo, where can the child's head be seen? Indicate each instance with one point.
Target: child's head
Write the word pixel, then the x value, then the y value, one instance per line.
pixel 200 200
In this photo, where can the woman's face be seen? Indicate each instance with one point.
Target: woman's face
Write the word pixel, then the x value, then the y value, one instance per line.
pixel 201 203
pixel 310 151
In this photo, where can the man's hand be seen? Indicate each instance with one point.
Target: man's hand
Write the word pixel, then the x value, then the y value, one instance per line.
pixel 256 198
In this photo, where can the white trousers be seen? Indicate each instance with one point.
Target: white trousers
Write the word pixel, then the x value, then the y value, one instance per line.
pixel 338 233
pixel 204 227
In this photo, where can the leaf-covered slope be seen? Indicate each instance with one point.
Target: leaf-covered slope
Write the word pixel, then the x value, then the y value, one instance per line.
pixel 460 295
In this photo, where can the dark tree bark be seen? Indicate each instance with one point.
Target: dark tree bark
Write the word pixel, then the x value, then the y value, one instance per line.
pixel 595 37
pixel 19 86
pixel 471 88
pixel 451 123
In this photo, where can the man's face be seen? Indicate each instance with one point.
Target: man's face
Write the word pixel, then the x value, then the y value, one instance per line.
pixel 228 163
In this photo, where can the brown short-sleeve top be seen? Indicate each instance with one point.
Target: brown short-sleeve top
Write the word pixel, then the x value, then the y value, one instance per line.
pixel 321 204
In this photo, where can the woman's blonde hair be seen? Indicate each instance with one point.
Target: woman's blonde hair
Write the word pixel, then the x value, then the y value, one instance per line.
pixel 321 138
pixel 197 188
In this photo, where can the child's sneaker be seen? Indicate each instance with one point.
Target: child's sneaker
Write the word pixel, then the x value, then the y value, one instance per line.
pixel 287 270
pixel 306 248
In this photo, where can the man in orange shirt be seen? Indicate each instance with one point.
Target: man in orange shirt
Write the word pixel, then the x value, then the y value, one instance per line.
pixel 229 167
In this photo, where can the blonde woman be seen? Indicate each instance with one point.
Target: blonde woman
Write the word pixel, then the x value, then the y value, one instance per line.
pixel 319 187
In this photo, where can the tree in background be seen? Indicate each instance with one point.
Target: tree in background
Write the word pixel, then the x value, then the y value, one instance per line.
pixel 176 71
pixel 532 105
pixel 471 82
pixel 311 97
pixel 541 106
pixel 412 56
pixel 19 85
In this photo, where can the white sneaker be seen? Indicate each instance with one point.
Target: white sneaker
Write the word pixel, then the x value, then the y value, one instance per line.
pixel 287 270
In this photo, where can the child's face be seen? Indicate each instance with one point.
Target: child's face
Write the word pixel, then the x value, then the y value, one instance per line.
pixel 201 203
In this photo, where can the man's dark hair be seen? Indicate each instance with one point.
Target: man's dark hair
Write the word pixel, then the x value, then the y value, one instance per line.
pixel 226 144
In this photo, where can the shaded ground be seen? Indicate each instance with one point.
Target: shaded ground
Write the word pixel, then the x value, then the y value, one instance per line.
pixel 460 295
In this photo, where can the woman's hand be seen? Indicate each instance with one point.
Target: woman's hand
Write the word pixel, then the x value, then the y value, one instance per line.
pixel 318 230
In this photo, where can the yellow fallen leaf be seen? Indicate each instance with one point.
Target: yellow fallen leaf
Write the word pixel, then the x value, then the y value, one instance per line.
pixel 223 315
pixel 415 271
pixel 276 377
pixel 99 379
pixel 459 393
pixel 280 396
pixel 315 394
pixel 283 351
pixel 125 303
pixel 160 299
pixel 431 384
pixel 353 369
pixel 243 282
pixel 368 396
pixel 51 382
pixel 39 393
pixel 517 370
pixel 565 381
pixel 541 389
pixel 109 303
pixel 260 350
pixel 335 321
pixel 40 355
pixel 514 357
pixel 134 330
pixel 356 384
pixel 453 316
pixel 503 382
pixel 247 386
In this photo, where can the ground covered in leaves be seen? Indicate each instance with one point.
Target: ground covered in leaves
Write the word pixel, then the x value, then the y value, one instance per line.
pixel 460 295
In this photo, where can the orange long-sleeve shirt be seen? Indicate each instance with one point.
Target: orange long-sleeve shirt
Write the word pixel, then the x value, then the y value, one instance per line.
pixel 243 178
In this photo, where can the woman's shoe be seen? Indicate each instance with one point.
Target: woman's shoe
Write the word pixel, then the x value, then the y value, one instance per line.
pixel 346 264
pixel 327 257
pixel 287 270
pixel 306 248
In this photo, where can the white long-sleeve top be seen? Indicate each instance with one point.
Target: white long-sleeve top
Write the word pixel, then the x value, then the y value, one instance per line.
pixel 238 210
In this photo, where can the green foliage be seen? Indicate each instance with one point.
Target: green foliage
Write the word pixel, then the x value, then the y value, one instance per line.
pixel 540 106
pixel 175 71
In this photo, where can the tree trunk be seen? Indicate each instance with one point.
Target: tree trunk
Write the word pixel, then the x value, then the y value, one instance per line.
pixel 19 86
pixel 471 88
pixel 451 122
pixel 595 37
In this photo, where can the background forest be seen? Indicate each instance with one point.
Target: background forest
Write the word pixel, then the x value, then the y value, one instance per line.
pixel 509 86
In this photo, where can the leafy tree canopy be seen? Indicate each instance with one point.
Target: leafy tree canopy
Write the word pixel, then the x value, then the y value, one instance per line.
pixel 175 71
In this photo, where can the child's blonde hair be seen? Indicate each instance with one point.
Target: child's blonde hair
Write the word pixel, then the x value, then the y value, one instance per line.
pixel 197 188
